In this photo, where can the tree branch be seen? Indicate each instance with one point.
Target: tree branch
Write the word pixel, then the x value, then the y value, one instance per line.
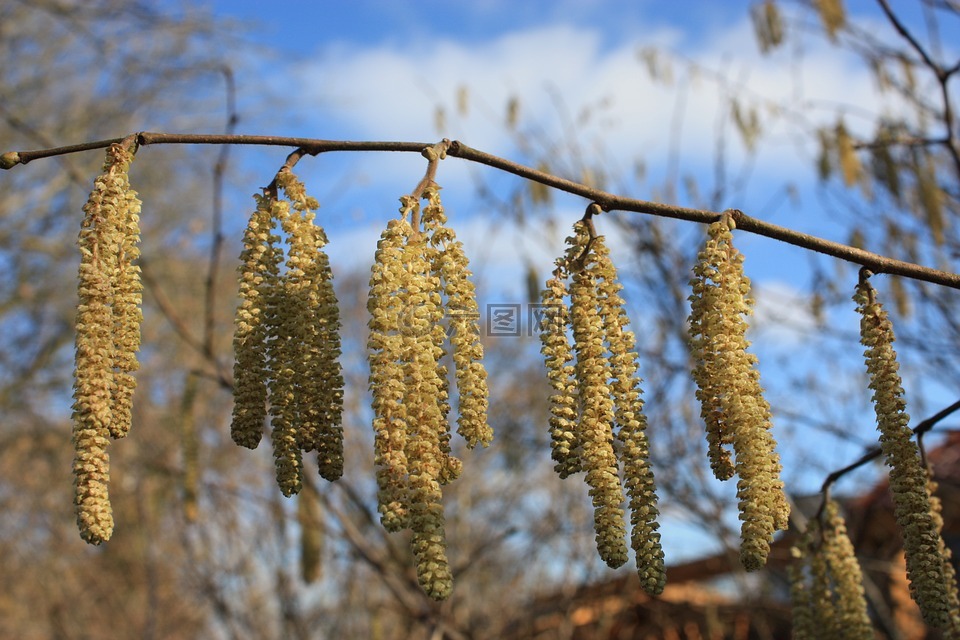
pixel 607 201
pixel 874 452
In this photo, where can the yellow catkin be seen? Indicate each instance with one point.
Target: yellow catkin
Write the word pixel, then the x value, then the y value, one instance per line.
pixel 851 602
pixel 283 315
pixel 452 266
pixel 832 15
pixel 596 405
pixel 949 574
pixel 128 294
pixel 427 426
pixel 385 351
pixel 908 478
pixel 628 416
pixel 108 330
pixel 310 520
pixel 801 601
pixel 558 356
pixel 706 324
pixel 314 332
pixel 730 393
pixel 258 279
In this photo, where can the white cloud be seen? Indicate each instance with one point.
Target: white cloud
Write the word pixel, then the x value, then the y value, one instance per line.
pixel 782 317
pixel 391 91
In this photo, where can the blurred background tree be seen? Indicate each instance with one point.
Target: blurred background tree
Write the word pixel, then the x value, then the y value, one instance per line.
pixel 205 545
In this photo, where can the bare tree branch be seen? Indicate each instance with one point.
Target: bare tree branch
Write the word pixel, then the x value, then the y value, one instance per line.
pixel 607 201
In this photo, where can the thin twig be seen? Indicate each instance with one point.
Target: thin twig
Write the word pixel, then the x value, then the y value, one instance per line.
pixel 875 452
pixel 608 201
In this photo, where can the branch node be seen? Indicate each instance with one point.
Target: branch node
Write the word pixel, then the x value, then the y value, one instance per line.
pixel 9 160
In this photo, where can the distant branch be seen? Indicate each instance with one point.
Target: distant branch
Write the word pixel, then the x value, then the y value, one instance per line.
pixel 875 452
pixel 607 201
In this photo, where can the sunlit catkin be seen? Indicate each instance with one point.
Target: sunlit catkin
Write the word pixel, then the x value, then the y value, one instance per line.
pixel 851 602
pixel 427 427
pixel 801 600
pixel 386 356
pixel 729 390
pixel 452 266
pixel 258 279
pixel 628 416
pixel 283 314
pixel 908 478
pixel 558 356
pixel 108 334
pixel 128 294
pixel 596 415
pixel 313 331
pixel 949 574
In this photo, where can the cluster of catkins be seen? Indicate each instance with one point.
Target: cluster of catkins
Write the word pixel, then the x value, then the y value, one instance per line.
pixel 826 585
pixel 932 581
pixel 108 337
pixel 286 338
pixel 731 398
pixel 419 278
pixel 596 401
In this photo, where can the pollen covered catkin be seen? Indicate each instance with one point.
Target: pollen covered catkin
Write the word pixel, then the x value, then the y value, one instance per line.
pixel 108 336
pixel 283 313
pixel 732 402
pixel 414 272
pixel 386 355
pixel 558 356
pixel 833 604
pixel 631 423
pixel 851 601
pixel 286 337
pixel 908 477
pixel 313 331
pixel 596 415
pixel 453 268
pixel 258 279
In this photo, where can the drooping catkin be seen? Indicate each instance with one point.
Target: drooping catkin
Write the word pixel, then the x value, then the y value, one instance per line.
pixel 851 601
pixel 310 520
pixel 386 357
pixel 632 424
pixel 908 478
pixel 308 288
pixel 108 336
pixel 558 355
pixel 949 574
pixel 833 604
pixel 128 296
pixel 732 402
pixel 259 274
pixel 801 599
pixel 426 461
pixel 452 267
pixel 413 272
pixel 287 338
pixel 596 404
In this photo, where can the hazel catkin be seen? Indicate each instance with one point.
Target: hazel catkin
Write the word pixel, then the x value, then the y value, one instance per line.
pixel 259 273
pixel 631 424
pixel 107 337
pixel 732 402
pixel 558 355
pixel 596 416
pixel 287 338
pixel 908 478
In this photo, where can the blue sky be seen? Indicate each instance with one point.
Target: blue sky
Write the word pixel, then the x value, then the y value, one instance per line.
pixel 379 70
pixel 371 70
